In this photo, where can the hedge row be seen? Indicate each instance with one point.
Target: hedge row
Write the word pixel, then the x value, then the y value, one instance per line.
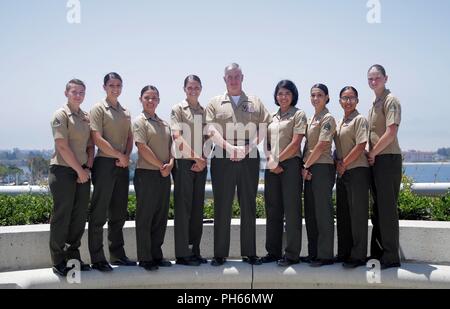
pixel 35 209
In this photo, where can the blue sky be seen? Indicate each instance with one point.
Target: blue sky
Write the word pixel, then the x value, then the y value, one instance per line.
pixel 160 42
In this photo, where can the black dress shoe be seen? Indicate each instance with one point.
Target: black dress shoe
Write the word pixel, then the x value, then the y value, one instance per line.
pixel 102 266
pixel 217 261
pixel 252 260
pixel 188 261
pixel 148 265
pixel 321 262
pixel 353 263
pixel 61 269
pixel 390 265
pixel 307 259
pixel 373 257
pixel 124 261
pixel 340 259
pixel 269 258
pixel 163 262
pixel 285 262
pixel 84 266
pixel 201 259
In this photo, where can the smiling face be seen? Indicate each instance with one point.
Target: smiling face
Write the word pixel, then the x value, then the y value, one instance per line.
pixel 233 79
pixel 150 100
pixel 348 101
pixel 75 95
pixel 318 99
pixel 284 98
pixel 377 81
pixel 192 90
pixel 113 88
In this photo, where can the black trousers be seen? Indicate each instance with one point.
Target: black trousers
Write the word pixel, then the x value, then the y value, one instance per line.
pixel 152 210
pixel 189 197
pixel 319 216
pixel 352 213
pixel 283 197
pixel 385 187
pixel 109 202
pixel 70 209
pixel 226 175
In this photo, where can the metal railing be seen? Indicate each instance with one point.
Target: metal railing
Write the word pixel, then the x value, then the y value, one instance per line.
pixel 423 189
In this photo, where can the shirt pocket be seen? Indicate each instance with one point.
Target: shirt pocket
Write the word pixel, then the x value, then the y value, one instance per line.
pixel 250 117
pixel 79 130
pixel 187 118
pixel 222 116
pixel 125 121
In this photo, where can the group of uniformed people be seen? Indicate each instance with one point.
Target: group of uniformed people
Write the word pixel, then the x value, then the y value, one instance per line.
pixel 228 131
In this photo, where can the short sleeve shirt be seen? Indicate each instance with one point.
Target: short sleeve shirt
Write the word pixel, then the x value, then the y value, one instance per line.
pixel 73 127
pixel 282 128
pixel 350 132
pixel 321 128
pixel 190 121
pixel 113 123
pixel 238 122
pixel 385 112
pixel 155 133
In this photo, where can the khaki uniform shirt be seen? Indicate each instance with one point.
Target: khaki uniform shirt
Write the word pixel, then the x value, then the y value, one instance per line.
pixel 73 127
pixel 282 129
pixel 191 123
pixel 350 132
pixel 113 124
pixel 321 128
pixel 385 111
pixel 239 122
pixel 155 133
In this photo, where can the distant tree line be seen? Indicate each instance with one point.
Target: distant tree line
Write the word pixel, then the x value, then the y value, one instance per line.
pixel 18 154
pixel 445 152
pixel 38 166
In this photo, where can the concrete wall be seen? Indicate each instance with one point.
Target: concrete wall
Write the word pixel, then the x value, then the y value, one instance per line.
pixel 26 247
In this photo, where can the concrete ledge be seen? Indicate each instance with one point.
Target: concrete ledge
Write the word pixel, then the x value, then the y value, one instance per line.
pixel 231 275
pixel 410 275
pixel 26 247
pixel 235 274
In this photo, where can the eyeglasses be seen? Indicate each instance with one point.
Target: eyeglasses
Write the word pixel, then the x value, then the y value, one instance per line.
pixel 351 99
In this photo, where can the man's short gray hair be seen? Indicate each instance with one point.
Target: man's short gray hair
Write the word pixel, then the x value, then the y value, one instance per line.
pixel 232 66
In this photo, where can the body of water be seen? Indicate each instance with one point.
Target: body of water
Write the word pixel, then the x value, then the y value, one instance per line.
pixel 428 172
pixel 419 172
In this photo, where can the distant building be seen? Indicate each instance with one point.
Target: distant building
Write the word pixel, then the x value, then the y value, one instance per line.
pixel 419 156
pixel 440 158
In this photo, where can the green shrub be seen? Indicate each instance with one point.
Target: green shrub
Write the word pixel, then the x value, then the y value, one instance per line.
pixel 441 208
pixel 415 207
pixel 412 206
pixel 131 207
pixel 34 209
pixel 208 210
pixel 25 209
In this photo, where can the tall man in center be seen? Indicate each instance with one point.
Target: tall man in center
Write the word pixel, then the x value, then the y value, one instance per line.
pixel 237 122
